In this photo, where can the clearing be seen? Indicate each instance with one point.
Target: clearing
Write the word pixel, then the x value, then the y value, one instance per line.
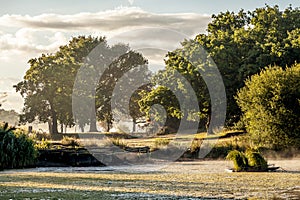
pixel 179 180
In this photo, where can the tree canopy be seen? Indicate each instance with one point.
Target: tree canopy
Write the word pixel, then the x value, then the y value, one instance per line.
pixel 270 102
pixel 241 44
pixel 48 85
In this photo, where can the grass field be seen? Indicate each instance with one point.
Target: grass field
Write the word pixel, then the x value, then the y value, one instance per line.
pixel 180 180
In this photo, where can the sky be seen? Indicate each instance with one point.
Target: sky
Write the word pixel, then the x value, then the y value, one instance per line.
pixel 30 28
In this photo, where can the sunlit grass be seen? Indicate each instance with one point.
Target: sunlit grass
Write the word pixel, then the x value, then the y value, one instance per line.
pixel 106 139
pixel 106 185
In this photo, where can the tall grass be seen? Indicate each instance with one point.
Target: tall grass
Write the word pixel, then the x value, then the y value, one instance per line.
pixel 118 142
pixel 16 148
pixel 70 141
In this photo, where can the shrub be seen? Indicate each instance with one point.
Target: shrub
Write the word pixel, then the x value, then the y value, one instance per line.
pixel 43 144
pixel 255 160
pixel 270 102
pixel 40 135
pixel 251 160
pixel 16 148
pixel 240 162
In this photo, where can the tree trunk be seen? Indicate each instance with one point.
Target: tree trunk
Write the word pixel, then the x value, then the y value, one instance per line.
pixel 93 126
pixel 62 128
pixel 93 121
pixel 53 128
pixel 107 125
pixel 54 122
pixel 81 128
pixel 50 126
pixel 208 127
pixel 133 125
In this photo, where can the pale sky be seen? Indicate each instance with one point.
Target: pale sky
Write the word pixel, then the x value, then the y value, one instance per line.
pixel 29 28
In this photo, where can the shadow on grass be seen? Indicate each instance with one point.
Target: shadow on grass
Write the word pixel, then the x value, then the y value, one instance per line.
pixel 12 192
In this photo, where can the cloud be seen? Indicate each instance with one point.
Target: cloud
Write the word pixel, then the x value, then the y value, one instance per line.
pixel 111 20
pixel 46 32
pixel 29 40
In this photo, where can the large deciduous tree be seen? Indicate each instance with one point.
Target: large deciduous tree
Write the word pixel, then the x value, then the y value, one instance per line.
pixel 117 69
pixel 241 44
pixel 48 85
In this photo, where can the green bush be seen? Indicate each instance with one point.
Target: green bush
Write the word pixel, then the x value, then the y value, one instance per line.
pixel 240 162
pixel 255 160
pixel 251 160
pixel 43 144
pixel 270 102
pixel 16 148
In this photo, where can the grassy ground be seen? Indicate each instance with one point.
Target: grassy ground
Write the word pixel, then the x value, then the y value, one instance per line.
pixel 194 180
pixel 153 141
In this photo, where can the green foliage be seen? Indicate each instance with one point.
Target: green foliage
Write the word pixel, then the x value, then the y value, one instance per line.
pixel 255 160
pixel 16 148
pixel 271 107
pixel 251 160
pixel 43 144
pixel 121 69
pixel 241 44
pixel 161 142
pixel 160 95
pixel 239 159
pixel 48 84
pixel 47 87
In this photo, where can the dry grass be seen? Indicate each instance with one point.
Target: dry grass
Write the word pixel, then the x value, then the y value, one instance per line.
pixel 141 139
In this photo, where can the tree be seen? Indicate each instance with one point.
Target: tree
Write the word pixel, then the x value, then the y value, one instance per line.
pixel 270 102
pixel 241 44
pixel 9 116
pixel 127 93
pixel 47 85
pixel 128 60
pixel 165 97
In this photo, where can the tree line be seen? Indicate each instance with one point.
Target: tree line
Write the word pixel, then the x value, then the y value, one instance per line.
pixel 241 44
